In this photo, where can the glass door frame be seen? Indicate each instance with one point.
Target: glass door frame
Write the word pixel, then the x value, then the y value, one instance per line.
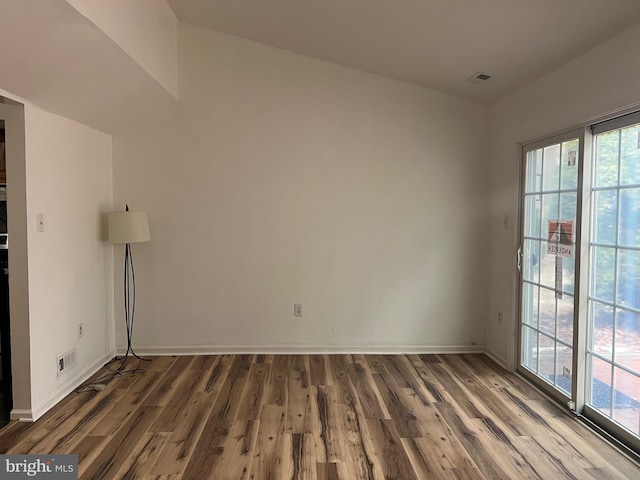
pixel 617 432
pixel 575 401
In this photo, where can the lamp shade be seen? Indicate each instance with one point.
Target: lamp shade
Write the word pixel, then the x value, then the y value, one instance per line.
pixel 128 227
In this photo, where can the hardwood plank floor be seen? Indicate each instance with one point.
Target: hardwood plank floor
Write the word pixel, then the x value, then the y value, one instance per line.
pixel 319 417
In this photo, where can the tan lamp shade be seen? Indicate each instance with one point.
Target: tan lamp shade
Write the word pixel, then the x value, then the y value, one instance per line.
pixel 128 227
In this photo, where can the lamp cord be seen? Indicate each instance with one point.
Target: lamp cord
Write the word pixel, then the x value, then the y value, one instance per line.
pixel 100 382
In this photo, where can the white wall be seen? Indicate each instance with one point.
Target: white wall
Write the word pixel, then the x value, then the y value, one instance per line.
pixel 69 180
pixel 146 29
pixel 595 85
pixel 280 179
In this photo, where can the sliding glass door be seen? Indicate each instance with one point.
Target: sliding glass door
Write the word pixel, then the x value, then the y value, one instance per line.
pixel 547 262
pixel 613 353
pixel 579 272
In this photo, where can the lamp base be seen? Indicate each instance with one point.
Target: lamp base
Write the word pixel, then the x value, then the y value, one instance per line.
pixel 130 355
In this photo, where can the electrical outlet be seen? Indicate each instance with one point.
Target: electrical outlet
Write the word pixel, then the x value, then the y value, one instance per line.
pixel 297 309
pixel 500 317
pixel 80 330
pixel 566 373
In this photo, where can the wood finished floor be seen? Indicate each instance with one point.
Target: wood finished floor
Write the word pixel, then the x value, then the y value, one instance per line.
pixel 319 416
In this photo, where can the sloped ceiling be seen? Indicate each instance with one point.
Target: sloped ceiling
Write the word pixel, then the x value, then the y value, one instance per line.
pixel 433 43
pixel 56 58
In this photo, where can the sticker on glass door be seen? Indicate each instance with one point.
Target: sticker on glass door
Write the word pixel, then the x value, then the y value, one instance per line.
pixel 560 238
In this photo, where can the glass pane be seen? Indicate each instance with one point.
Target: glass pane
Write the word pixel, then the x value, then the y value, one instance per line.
pixel 531 262
pixel 628 277
pixel 530 305
pixel 530 348
pixel 534 171
pixel 547 311
pixel 532 216
pixel 546 358
pixel 569 165
pixel 605 216
pixel 601 386
pixel 629 231
pixel 564 362
pixel 568 207
pixel 565 319
pixel 550 204
pixel 602 329
pixel 626 408
pixel 603 272
pixel 630 158
pixel 551 168
pixel 548 268
pixel 615 277
pixel 607 159
pixel 628 340
pixel 568 274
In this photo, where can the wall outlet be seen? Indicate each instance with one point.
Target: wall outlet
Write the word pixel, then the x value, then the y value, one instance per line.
pixel 566 373
pixel 500 317
pixel 40 222
pixel 66 361
pixel 80 330
pixel 297 309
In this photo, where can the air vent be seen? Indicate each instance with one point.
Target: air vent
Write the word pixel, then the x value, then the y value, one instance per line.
pixel 66 361
pixel 479 78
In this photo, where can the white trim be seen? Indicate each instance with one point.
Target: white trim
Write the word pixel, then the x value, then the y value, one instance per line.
pixel 496 357
pixel 21 415
pixel 302 349
pixel 62 391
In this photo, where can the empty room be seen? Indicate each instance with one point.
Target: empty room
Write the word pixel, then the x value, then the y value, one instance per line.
pixel 343 239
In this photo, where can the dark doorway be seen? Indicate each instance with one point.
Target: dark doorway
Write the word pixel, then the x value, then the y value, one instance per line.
pixel 6 397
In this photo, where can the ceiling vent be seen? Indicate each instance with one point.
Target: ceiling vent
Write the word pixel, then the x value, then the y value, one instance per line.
pixel 479 78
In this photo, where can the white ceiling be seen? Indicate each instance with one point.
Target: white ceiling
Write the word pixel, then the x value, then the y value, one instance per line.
pixel 433 43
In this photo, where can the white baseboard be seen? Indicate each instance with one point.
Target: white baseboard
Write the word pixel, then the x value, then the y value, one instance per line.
pixel 301 349
pixel 499 359
pixel 62 391
pixel 20 415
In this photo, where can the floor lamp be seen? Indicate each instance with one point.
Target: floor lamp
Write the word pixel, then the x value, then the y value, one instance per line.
pixel 128 227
